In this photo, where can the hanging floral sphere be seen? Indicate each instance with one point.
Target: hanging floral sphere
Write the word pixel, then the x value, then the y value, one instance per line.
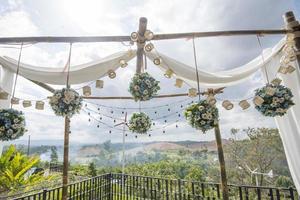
pixel 143 87
pixel 273 100
pixel 66 102
pixel 12 124
pixel 202 115
pixel 139 123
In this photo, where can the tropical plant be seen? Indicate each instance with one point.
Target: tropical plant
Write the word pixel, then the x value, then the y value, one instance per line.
pixel 15 170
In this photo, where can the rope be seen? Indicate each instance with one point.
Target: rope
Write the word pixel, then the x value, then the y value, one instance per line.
pixel 263 59
pixel 17 73
pixel 69 66
pixel 196 65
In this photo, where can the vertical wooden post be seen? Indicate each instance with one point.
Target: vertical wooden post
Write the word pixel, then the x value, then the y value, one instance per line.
pixel 292 24
pixel 140 44
pixel 224 185
pixel 66 159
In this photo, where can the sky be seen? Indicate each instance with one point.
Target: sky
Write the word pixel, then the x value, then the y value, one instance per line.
pixel 120 17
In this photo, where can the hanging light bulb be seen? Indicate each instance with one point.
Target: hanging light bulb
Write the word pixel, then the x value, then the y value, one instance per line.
pixel 135 136
pixel 3 95
pixel 149 135
pixel 134 36
pixel 178 83
pixel 176 126
pixel 99 83
pixel 258 101
pixel 227 105
pixel 39 105
pixel 123 63
pixel 14 100
pixel 276 81
pixel 192 92
pixel 211 99
pixel 110 131
pixel 111 74
pixel 244 104
pixel 169 72
pixel 157 61
pixel 89 119
pixel 149 47
pixel 164 131
pixel 87 91
pixel 98 126
pixel 26 103
pixel 148 35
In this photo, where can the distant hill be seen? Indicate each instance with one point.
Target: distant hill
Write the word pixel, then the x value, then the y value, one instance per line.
pixel 163 146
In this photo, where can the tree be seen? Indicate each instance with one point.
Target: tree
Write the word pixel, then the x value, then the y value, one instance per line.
pixel 15 170
pixel 54 156
pixel 92 169
pixel 261 149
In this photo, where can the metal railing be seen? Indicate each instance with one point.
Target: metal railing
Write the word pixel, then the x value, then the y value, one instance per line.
pixel 131 187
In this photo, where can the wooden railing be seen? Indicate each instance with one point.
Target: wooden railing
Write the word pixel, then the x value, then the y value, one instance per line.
pixel 131 187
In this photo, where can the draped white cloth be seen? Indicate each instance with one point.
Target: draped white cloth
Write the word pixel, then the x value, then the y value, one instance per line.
pixel 288 125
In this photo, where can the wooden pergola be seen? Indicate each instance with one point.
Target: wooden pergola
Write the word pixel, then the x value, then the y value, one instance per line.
pixel 292 27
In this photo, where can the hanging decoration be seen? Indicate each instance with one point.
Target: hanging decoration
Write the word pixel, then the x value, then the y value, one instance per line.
pixel 12 124
pixel 66 102
pixel 273 100
pixel 99 84
pixel 15 101
pixel 139 123
pixel 276 81
pixel 123 63
pixel 39 105
pixel 111 74
pixel 169 72
pixel 244 104
pixel 211 99
pixel 227 105
pixel 87 91
pixel 27 103
pixel 192 92
pixel 202 115
pixel 143 87
pixel 3 95
pixel 178 83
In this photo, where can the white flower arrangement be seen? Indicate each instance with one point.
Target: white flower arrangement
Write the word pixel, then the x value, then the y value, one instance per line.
pixel 139 123
pixel 66 102
pixel 143 87
pixel 202 115
pixel 12 124
pixel 275 103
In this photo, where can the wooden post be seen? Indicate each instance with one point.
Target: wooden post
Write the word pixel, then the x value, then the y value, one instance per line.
pixel 140 44
pixel 292 24
pixel 224 186
pixel 66 159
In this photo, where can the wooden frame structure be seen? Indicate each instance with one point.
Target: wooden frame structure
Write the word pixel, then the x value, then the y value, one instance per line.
pixel 292 27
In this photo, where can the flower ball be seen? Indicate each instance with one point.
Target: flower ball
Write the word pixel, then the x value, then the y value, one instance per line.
pixel 143 87
pixel 66 102
pixel 139 123
pixel 12 124
pixel 273 100
pixel 202 115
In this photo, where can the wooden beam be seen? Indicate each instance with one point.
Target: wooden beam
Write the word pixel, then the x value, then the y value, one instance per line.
pixel 140 44
pixel 88 39
pixel 43 85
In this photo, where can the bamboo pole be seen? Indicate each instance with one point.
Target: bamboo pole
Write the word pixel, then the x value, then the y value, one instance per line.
pixel 140 44
pixel 66 159
pixel 224 184
pixel 168 36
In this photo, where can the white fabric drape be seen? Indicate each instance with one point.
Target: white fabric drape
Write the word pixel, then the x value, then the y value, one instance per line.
pixel 218 79
pixel 78 74
pixel 289 124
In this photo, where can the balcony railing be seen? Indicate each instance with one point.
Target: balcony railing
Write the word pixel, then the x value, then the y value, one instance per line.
pixel 130 187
